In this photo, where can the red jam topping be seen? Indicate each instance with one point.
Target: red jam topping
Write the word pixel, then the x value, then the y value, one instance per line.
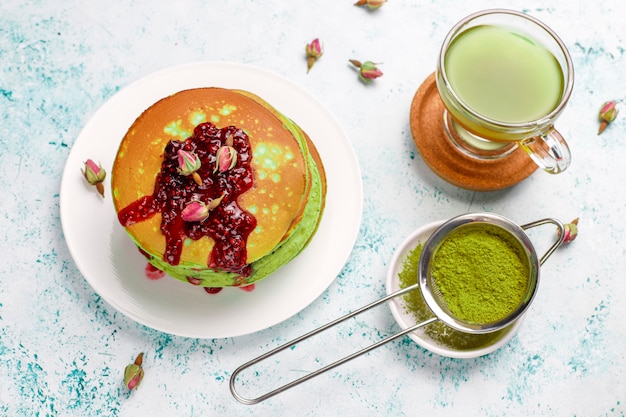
pixel 228 224
pixel 152 273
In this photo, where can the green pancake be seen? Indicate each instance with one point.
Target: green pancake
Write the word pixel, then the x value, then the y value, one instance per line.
pixel 286 199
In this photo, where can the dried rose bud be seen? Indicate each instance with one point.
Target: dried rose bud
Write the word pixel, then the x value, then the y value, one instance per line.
pixel 571 231
pixel 95 175
pixel 189 164
pixel 371 4
pixel 314 51
pixel 213 204
pixel 225 159
pixel 367 70
pixel 198 211
pixel 608 113
pixel 133 374
pixel 195 211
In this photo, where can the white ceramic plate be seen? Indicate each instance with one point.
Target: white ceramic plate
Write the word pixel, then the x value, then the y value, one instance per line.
pixel 405 319
pixel 115 269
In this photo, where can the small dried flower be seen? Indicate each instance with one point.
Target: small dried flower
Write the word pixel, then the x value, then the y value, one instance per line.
pixel 95 175
pixel 367 70
pixel 314 51
pixel 213 204
pixel 198 211
pixel 226 157
pixel 608 113
pixel 571 231
pixel 195 211
pixel 189 164
pixel 133 373
pixel 371 4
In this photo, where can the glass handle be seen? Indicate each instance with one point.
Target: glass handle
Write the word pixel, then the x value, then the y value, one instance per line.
pixel 549 151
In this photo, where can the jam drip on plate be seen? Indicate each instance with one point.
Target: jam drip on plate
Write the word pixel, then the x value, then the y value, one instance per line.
pixel 228 224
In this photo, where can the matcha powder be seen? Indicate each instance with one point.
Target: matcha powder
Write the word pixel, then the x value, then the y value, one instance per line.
pixel 481 272
pixel 438 332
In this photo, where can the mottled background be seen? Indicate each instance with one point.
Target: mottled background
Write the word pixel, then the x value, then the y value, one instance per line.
pixel 63 349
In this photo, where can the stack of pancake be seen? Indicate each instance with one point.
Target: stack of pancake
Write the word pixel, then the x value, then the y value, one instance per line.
pixel 268 204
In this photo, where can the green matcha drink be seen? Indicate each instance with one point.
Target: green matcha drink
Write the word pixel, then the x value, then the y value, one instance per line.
pixel 503 75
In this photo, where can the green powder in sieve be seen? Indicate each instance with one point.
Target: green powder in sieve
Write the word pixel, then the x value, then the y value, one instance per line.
pixel 482 273
pixel 438 332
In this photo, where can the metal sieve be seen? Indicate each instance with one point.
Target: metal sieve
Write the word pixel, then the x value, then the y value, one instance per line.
pixel 433 297
pixel 430 289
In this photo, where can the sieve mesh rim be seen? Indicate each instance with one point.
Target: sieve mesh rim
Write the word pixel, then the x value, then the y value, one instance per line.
pixel 433 296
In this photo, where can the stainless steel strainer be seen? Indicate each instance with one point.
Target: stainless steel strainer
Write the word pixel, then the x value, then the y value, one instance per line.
pixel 435 301
pixel 428 284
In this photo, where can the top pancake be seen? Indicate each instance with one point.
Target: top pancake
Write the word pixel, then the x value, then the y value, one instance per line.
pixel 281 174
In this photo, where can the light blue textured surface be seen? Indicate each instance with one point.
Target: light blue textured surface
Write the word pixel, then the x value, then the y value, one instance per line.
pixel 63 349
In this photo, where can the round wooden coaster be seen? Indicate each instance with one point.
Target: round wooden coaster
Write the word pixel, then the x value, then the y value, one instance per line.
pixel 426 119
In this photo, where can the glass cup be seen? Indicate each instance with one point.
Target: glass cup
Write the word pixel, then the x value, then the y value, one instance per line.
pixel 504 78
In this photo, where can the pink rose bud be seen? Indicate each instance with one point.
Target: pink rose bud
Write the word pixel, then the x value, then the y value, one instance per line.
pixel 95 175
pixel 608 113
pixel 225 159
pixel 198 211
pixel 367 70
pixel 189 164
pixel 133 373
pixel 371 4
pixel 314 51
pixel 195 211
pixel 571 231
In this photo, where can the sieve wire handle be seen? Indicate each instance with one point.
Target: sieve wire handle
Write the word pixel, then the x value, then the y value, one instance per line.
pixel 312 333
pixel 249 401
pixel 557 243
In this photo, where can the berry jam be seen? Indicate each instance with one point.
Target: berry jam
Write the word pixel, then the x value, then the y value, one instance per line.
pixel 152 273
pixel 228 224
